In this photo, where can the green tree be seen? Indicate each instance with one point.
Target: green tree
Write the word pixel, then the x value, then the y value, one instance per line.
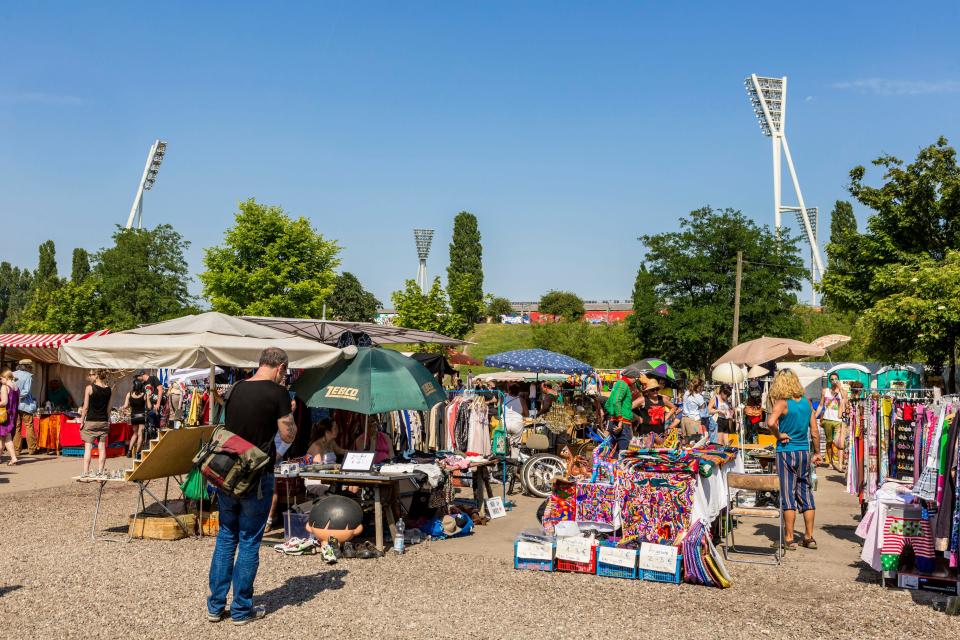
pixel 16 285
pixel 270 265
pixel 465 271
pixel 350 301
pixel 842 248
pixel 646 312
pixel 427 312
pixel 72 308
pixel 692 272
pixel 915 224
pixel 142 278
pixel 81 265
pixel 605 346
pixel 45 284
pixel 46 265
pixel 497 307
pixel 564 304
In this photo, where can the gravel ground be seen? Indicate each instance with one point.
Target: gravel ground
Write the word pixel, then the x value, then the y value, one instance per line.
pixel 61 585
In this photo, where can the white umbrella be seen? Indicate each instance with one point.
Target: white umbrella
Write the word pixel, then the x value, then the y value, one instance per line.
pixel 202 340
pixel 756 371
pixel 729 373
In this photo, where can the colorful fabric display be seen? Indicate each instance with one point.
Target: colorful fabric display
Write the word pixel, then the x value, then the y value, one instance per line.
pixel 562 504
pixel 899 531
pixel 656 506
pixel 595 502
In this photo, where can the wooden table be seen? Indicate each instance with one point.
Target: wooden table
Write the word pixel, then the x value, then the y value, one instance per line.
pixel 377 481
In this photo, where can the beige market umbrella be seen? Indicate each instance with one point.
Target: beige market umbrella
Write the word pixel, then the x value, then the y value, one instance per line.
pixel 766 349
pixel 202 340
pixel 831 342
pixel 756 371
pixel 729 373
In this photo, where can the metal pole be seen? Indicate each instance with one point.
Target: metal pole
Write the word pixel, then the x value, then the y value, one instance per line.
pixel 803 210
pixel 736 299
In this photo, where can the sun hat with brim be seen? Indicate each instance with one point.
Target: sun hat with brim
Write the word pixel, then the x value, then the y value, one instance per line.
pixel 26 361
pixel 651 385
pixel 449 524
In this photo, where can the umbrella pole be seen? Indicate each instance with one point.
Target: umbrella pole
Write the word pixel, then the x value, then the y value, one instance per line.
pixel 213 390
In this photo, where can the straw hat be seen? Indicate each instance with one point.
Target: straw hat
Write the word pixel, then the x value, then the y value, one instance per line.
pixel 26 362
pixel 651 385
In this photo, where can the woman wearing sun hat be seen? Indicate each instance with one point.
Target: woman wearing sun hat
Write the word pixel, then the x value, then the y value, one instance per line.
pixel 653 414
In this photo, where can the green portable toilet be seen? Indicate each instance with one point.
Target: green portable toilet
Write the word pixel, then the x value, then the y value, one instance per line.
pixel 898 377
pixel 849 372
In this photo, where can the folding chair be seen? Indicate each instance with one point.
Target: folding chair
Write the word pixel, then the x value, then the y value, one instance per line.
pixel 752 482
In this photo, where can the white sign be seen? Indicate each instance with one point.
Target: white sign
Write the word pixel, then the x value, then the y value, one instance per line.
pixel 358 461
pixel 618 557
pixel 574 549
pixel 658 557
pixel 495 508
pixel 530 550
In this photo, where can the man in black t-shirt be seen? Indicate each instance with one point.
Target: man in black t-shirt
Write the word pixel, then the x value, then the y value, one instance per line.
pixel 256 410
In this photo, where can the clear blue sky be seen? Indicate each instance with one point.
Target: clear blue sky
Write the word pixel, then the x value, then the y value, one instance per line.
pixel 569 128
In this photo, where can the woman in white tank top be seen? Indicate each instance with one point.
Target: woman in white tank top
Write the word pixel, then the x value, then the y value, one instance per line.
pixel 833 404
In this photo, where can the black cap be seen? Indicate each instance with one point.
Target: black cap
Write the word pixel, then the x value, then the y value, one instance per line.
pixel 140 372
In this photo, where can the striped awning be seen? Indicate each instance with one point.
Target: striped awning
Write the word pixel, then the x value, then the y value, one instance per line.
pixel 44 340
pixel 39 347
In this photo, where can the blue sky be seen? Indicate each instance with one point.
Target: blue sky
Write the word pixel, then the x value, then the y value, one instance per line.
pixel 568 128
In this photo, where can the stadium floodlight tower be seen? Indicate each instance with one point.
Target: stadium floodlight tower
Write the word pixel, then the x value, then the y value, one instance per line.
pixel 423 238
pixel 769 98
pixel 154 158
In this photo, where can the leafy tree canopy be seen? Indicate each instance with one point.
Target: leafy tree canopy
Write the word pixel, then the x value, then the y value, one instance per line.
pixel 427 312
pixel 270 265
pixel 81 265
pixel 564 304
pixel 350 301
pixel 915 225
pixel 143 277
pixel 497 307
pixel 685 290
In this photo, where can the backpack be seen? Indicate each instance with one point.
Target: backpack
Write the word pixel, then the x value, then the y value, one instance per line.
pixel 231 463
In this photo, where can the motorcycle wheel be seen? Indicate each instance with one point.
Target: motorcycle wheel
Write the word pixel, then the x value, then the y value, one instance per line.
pixel 538 473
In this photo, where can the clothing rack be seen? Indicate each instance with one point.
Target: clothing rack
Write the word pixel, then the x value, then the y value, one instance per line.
pixel 501 416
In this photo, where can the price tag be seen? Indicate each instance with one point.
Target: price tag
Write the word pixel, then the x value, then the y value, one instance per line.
pixel 618 557
pixel 574 549
pixel 495 508
pixel 530 550
pixel 658 557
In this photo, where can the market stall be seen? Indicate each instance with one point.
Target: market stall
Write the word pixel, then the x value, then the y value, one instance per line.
pixel 661 501
pixel 902 464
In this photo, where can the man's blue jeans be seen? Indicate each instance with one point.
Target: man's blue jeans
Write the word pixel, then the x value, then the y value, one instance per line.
pixel 242 521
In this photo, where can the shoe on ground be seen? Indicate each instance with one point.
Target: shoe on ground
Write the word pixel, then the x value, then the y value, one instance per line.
pixel 255 614
pixel 215 617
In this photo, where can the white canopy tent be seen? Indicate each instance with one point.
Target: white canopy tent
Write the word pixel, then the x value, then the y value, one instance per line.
pixel 190 342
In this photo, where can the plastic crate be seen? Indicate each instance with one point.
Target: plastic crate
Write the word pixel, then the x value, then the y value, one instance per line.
pixel 613 570
pixel 663 576
pixel 531 564
pixel 578 567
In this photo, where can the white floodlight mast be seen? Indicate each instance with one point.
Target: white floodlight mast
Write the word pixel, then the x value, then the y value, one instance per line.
pixel 150 170
pixel 423 238
pixel 769 97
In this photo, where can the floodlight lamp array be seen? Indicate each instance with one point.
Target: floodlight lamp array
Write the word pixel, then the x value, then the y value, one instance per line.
pixel 771 95
pixel 813 213
pixel 423 238
pixel 159 151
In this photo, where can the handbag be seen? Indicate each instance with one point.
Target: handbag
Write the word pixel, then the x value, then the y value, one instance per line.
pixel 231 463
pixel 4 416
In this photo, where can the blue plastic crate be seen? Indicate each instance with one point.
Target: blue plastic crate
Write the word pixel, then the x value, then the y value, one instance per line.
pixel 532 564
pixel 613 570
pixel 663 576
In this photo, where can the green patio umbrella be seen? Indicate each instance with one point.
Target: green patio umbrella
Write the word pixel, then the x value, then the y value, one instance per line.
pixel 375 381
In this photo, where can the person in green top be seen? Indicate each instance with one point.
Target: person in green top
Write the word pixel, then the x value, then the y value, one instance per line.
pixel 619 408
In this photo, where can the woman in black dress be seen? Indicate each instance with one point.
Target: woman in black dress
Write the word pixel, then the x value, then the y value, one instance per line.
pixel 138 403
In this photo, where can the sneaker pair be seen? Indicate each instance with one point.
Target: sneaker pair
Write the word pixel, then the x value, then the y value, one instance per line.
pixel 256 613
